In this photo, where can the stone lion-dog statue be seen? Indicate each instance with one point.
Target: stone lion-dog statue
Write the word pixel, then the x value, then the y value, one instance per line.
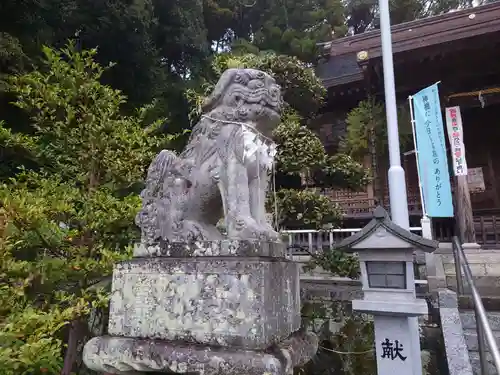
pixel 222 172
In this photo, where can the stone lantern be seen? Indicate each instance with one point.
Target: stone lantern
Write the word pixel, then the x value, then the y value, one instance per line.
pixel 386 261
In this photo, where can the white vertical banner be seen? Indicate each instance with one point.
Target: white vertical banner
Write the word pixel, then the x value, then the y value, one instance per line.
pixel 456 137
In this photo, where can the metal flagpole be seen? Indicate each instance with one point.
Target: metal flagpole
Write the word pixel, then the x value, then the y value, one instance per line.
pixel 397 182
pixel 396 175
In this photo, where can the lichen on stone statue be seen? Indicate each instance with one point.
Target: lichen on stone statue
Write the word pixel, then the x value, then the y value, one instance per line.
pixel 223 171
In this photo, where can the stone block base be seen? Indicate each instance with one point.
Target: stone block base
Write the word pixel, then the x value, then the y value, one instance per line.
pixel 131 356
pixel 249 302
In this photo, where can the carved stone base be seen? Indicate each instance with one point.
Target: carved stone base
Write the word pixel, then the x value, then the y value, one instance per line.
pixel 131 356
pixel 224 301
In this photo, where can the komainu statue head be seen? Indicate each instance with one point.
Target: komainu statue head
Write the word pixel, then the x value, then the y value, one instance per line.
pixel 248 96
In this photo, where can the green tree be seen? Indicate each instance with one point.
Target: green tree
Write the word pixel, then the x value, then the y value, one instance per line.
pixel 287 27
pixel 152 41
pixel 367 135
pixel 363 15
pixel 66 222
pixel 157 46
pixel 367 124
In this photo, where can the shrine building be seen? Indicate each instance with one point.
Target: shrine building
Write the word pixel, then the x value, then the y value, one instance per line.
pixel 461 50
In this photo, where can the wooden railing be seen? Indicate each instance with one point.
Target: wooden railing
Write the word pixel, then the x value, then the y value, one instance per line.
pixel 355 207
pixel 443 229
pixel 358 204
pixel 487 228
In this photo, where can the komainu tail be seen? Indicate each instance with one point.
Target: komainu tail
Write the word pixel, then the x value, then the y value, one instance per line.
pixel 164 165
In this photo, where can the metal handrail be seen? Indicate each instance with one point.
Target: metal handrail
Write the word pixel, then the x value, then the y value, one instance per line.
pixel 483 328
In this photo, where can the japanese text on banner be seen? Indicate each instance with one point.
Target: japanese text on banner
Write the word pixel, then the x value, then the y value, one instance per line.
pixel 431 153
pixel 456 137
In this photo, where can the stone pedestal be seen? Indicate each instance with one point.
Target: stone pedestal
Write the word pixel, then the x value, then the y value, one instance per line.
pixel 209 307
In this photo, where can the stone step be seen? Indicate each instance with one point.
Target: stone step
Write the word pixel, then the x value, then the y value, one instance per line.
pixel 484 257
pixel 476 364
pixel 471 339
pixel 490 302
pixel 477 269
pixel 486 285
pixel 469 322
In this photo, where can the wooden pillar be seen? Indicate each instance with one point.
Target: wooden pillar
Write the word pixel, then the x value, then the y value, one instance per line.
pixel 464 217
pixel 368 163
pixel 493 180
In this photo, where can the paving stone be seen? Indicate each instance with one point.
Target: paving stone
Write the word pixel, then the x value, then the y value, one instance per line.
pixel 471 340
pixel 476 364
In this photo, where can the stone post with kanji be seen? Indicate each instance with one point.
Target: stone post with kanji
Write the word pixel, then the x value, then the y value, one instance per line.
pixel 386 261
